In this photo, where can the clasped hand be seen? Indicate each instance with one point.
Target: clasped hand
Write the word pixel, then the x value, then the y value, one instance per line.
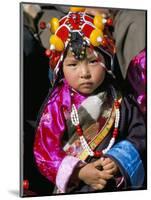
pixel 96 178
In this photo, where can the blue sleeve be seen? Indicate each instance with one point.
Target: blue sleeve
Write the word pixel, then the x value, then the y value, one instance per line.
pixel 129 162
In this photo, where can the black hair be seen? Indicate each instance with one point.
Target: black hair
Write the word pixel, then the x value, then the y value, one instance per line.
pixel 107 58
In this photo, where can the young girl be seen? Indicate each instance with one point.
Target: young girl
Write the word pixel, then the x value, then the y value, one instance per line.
pixel 89 137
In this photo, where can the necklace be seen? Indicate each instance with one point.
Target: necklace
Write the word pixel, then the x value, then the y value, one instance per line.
pixel 75 121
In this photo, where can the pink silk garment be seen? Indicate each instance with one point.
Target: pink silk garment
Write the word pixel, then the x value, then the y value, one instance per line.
pixel 137 79
pixel 48 150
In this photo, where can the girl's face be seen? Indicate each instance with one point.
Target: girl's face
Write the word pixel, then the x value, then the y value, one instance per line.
pixel 84 75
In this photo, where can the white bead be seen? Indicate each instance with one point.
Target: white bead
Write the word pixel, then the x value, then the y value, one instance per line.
pixel 104 21
pixel 112 140
pixel 104 151
pixel 48 25
pixel 52 47
pixel 99 39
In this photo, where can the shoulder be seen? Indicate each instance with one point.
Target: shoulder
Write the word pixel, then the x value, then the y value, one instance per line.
pixel 130 108
pixel 52 100
pixel 129 101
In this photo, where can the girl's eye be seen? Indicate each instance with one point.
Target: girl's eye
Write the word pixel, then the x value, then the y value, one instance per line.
pixel 71 65
pixel 93 62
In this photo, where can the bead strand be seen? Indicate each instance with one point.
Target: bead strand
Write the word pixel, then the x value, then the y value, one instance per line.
pixel 116 124
pixel 84 144
pixel 74 116
pixel 75 121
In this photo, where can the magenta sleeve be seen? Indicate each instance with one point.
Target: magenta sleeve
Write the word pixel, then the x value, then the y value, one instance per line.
pixel 48 150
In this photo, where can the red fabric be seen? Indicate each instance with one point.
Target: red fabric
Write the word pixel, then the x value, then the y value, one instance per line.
pixel 62 20
pixel 63 33
pixel 88 18
pixel 87 29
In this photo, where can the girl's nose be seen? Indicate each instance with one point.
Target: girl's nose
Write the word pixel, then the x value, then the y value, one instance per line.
pixel 85 72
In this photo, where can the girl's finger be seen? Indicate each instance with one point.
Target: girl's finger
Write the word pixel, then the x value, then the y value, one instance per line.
pixel 109 166
pixel 112 171
pixel 105 175
pixel 106 161
pixel 97 186
pixel 102 181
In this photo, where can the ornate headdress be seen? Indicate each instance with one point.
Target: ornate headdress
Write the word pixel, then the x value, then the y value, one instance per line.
pixel 76 31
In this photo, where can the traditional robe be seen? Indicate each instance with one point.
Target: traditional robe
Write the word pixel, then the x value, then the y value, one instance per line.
pixel 58 164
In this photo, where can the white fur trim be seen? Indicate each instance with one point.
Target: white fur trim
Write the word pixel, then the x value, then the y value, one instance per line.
pixel 93 106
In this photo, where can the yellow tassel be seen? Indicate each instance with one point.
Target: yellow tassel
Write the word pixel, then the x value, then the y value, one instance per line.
pixel 77 9
pixel 95 37
pixel 54 24
pixel 57 42
pixel 98 22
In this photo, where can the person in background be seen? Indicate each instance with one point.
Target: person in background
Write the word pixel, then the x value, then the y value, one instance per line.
pixel 129 32
pixel 35 87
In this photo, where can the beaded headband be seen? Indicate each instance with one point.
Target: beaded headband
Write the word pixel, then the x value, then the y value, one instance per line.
pixel 76 31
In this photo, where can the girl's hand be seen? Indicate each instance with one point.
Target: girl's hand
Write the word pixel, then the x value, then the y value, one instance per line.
pixel 93 177
pixel 109 166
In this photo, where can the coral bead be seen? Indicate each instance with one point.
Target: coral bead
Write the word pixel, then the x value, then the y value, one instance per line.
pixel 54 24
pixel 42 25
pixel 26 184
pixel 57 42
pixel 78 126
pixel 53 61
pixel 109 22
pixel 48 53
pixel 97 154
pixel 79 131
pixel 115 132
pixel 117 104
pixel 104 42
pixel 77 9
pixel 98 22
pixel 95 34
